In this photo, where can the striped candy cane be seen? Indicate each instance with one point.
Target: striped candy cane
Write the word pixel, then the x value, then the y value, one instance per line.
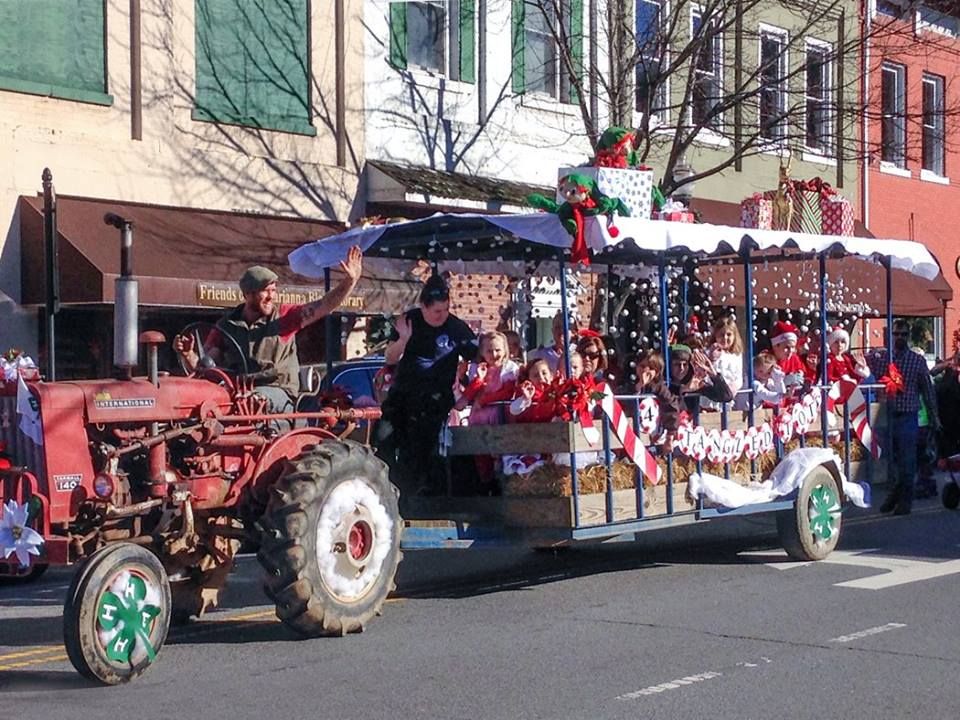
pixel 623 429
pixel 846 390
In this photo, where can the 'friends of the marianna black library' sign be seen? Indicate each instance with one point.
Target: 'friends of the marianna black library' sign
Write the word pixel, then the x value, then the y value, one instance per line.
pixel 213 294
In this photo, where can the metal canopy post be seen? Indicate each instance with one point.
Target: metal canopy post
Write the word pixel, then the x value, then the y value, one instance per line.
pixel 664 333
pixel 889 334
pixel 329 338
pixel 823 347
pixel 748 309
pixel 565 313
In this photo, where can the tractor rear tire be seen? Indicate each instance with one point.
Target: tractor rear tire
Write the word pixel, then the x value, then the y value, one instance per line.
pixel 330 539
pixel 811 530
pixel 117 614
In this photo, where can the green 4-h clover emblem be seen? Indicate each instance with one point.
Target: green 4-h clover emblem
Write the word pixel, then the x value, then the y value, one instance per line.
pixel 824 512
pixel 130 616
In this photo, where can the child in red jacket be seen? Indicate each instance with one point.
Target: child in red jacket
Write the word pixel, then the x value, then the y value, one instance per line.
pixel 492 380
pixel 783 340
pixel 532 403
pixel 842 363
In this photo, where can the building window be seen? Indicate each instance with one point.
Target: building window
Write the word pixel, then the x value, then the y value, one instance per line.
pixel 434 35
pixel 253 64
pixel 540 52
pixel 817 100
pixel 892 8
pixel 651 84
pixel 54 49
pixel 773 85
pixel 933 138
pixel 538 64
pixel 708 80
pixel 893 131
pixel 945 23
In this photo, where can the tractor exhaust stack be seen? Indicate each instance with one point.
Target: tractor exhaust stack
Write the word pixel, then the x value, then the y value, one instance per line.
pixel 125 308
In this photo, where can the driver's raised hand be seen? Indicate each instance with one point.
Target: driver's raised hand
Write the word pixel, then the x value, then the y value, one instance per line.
pixel 184 344
pixel 353 265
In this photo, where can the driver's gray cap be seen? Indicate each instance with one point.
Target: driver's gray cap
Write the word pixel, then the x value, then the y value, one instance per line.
pixel 256 277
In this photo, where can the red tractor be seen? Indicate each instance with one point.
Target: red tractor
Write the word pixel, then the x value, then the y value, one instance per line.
pixel 152 483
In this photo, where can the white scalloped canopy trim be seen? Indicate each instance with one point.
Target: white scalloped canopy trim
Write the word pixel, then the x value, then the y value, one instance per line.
pixel 651 235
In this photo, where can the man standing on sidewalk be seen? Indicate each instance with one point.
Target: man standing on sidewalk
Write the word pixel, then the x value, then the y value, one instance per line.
pixel 902 408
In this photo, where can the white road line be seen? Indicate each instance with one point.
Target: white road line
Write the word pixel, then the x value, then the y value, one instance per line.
pixel 899 571
pixel 915 572
pixel 671 685
pixel 867 633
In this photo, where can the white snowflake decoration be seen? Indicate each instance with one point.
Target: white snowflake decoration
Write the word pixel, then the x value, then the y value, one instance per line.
pixel 15 536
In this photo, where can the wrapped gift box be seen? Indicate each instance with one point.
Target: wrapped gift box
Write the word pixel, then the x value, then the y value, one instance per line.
pixel 684 216
pixel 807 214
pixel 634 187
pixel 837 216
pixel 756 212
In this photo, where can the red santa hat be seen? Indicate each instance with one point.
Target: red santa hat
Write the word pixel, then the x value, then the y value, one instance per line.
pixel 838 333
pixel 784 332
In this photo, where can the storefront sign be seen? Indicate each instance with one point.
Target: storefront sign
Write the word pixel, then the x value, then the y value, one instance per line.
pixel 215 294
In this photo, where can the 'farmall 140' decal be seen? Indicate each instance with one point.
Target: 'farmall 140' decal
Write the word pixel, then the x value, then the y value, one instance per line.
pixel 66 483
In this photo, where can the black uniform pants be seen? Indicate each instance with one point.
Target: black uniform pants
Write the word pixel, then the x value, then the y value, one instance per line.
pixel 407 438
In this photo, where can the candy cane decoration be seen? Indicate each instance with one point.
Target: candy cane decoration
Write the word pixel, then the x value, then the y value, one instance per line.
pixel 861 423
pixel 846 390
pixel 623 429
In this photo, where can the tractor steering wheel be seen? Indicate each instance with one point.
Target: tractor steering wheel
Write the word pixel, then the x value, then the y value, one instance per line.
pixel 205 336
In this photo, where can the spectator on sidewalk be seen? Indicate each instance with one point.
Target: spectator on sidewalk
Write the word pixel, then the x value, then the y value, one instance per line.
pixel 903 406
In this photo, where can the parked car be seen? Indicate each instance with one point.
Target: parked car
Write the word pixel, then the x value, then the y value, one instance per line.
pixel 356 378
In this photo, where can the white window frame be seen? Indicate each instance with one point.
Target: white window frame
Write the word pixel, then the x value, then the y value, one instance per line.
pixel 938 82
pixel 697 12
pixel 900 73
pixel 783 37
pixel 562 90
pixel 661 60
pixel 827 48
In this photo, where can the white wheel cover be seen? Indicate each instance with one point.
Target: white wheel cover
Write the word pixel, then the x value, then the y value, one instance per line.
pixel 333 527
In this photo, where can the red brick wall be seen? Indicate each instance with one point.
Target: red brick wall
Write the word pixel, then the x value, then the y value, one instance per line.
pixel 913 208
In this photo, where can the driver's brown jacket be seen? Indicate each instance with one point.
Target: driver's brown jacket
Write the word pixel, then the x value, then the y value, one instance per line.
pixel 270 343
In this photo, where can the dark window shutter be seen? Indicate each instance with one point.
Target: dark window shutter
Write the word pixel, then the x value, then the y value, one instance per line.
pixel 253 64
pixel 54 48
pixel 398 34
pixel 576 46
pixel 467 41
pixel 518 79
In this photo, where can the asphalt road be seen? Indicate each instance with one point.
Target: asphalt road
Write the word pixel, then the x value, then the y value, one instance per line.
pixel 684 623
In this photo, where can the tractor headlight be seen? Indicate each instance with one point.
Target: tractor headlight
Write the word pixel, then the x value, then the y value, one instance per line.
pixel 104 486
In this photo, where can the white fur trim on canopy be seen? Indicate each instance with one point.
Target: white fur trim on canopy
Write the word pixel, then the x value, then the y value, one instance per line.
pixel 648 235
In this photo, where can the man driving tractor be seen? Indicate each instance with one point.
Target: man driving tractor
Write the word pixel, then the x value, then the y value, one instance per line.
pixel 266 332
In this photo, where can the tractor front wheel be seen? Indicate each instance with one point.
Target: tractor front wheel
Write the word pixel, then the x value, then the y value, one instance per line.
pixel 331 539
pixel 811 530
pixel 117 613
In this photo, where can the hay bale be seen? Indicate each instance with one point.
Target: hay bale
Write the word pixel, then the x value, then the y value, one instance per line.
pixel 552 480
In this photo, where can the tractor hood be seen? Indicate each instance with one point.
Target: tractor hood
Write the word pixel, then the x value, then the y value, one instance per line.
pixel 138 400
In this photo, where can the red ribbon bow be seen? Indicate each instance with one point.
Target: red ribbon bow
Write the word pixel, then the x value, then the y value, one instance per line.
pixel 893 381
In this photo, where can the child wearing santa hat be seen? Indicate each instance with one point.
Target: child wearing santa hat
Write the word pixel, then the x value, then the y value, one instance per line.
pixel 783 339
pixel 841 362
